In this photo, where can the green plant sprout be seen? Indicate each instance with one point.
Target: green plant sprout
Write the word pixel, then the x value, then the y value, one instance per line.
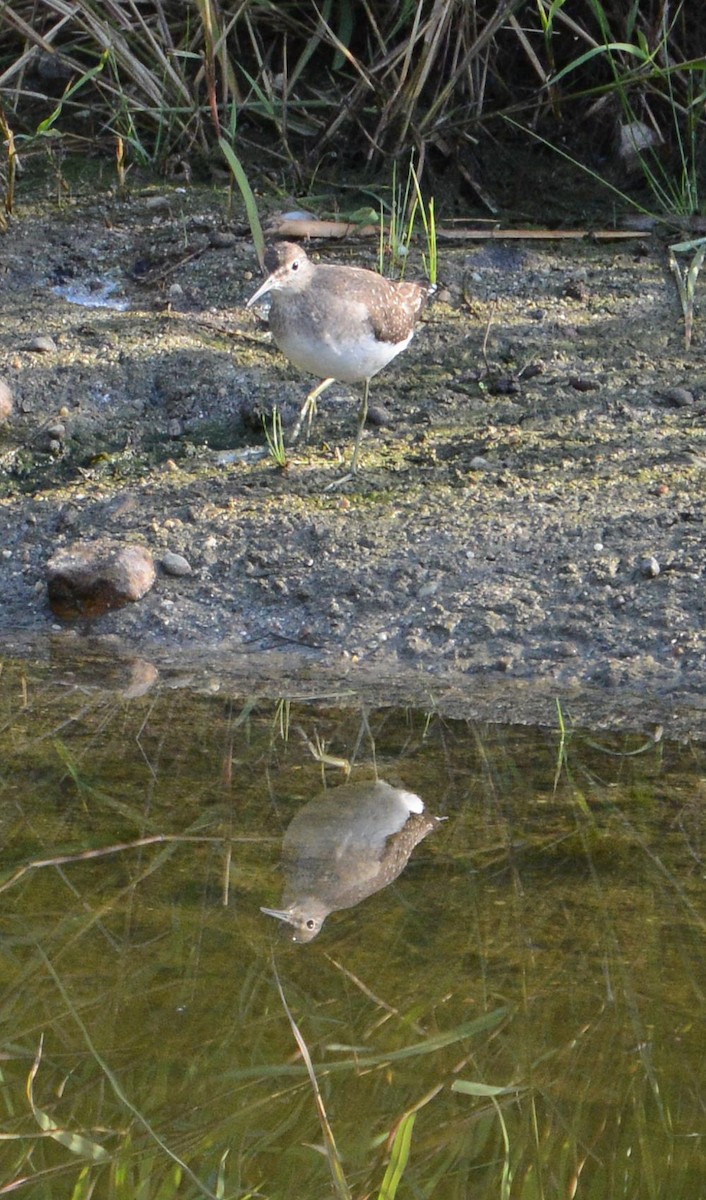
pixel 275 439
pixel 686 280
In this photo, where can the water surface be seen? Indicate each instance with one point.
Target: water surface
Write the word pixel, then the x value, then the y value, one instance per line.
pixel 546 941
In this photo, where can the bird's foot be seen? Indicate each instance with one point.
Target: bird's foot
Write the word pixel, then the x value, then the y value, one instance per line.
pixel 335 484
pixel 305 418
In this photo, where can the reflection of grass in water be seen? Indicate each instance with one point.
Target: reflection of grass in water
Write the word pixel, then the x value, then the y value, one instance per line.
pixel 584 914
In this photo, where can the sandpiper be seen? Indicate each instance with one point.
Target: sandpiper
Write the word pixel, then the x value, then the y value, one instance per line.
pixel 343 847
pixel 338 323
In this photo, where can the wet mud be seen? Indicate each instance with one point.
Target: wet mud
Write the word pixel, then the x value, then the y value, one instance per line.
pixel 527 524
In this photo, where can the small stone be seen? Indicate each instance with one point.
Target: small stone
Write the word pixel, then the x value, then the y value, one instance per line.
pixel 222 240
pixel 157 204
pixel 679 397
pixel 87 579
pixel 52 67
pixel 635 141
pixel 581 384
pixel 41 345
pixel 478 463
pixel 503 386
pixel 649 567
pixel 175 564
pixel 379 416
pixel 67 519
pixel 575 289
pixel 5 401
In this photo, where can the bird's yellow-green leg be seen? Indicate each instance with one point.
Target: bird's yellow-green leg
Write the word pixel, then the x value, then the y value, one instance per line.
pixel 308 410
pixel 362 414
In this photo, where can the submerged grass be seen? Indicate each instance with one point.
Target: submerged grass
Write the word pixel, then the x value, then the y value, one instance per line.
pixel 514 1017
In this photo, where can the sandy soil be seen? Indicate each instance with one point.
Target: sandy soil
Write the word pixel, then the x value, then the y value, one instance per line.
pixel 528 521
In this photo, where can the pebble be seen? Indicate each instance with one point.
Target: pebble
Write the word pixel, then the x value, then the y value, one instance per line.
pixel 379 416
pixel 175 564
pixel 679 397
pixel 5 401
pixel 41 345
pixel 504 386
pixel 649 567
pixel 157 204
pixel 575 289
pixel 222 240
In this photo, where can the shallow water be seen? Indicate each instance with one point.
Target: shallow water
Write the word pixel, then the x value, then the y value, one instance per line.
pixel 545 941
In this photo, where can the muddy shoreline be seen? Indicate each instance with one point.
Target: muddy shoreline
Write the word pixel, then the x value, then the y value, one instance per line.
pixel 527 525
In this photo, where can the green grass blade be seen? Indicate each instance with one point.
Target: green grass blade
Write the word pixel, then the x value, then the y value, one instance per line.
pixel 248 198
pixel 340 1184
pixel 112 1079
pixel 468 1088
pixel 436 1042
pixel 77 1143
pixel 399 1157
pixel 611 48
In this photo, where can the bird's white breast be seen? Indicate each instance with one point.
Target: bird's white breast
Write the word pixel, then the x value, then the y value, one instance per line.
pixel 348 351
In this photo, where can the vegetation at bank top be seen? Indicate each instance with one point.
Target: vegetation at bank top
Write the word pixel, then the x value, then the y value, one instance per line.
pixel 310 92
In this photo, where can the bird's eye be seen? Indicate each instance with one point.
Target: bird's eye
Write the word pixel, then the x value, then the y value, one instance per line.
pixel 295 265
pixel 311 924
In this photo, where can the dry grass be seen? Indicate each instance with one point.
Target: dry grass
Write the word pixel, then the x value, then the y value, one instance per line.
pixel 304 90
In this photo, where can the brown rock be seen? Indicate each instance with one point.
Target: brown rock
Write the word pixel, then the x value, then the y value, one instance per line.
pixel 87 579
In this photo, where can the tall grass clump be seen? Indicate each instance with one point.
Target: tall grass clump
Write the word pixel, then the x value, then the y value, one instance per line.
pixel 309 92
pixel 640 70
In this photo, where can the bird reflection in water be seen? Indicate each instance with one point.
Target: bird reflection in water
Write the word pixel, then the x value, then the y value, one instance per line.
pixel 342 847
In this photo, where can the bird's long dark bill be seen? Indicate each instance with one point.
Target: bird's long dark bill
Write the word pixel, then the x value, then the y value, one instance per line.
pixel 261 291
pixel 280 913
